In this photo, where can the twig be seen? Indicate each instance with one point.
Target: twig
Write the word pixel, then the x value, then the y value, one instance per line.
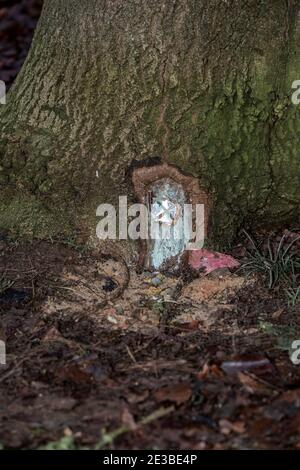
pixel 110 437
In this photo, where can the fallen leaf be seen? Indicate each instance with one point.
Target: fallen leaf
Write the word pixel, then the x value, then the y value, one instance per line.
pixel 52 335
pixel 278 313
pixel 213 370
pixel 218 290
pixel 178 394
pixel 253 386
pixel 81 371
pixel 73 373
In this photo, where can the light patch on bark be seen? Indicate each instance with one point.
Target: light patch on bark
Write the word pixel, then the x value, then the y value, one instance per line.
pixel 172 240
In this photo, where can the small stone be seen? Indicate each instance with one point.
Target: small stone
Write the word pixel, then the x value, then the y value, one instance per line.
pixel 110 313
pixel 155 274
pixel 156 281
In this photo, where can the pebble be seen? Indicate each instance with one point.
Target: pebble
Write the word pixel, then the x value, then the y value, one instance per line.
pixel 156 281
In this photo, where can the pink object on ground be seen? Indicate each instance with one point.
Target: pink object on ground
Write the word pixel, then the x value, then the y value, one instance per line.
pixel 209 261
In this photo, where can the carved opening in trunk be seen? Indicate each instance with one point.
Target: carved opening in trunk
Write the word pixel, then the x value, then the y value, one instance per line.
pixel 165 191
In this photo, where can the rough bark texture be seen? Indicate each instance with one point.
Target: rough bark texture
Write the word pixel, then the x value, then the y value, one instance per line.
pixel 203 85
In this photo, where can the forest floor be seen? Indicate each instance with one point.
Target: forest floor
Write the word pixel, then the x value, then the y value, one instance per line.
pixel 99 356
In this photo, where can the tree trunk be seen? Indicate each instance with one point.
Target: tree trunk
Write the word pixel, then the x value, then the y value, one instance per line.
pixel 108 85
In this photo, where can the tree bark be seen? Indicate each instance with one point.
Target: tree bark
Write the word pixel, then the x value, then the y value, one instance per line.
pixel 202 85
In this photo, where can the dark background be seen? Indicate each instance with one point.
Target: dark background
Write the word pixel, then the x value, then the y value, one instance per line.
pixel 18 19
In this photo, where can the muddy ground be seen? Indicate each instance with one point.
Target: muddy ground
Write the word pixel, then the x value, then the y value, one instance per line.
pixel 99 356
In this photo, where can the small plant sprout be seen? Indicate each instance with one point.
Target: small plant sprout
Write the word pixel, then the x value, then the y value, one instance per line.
pixel 5 284
pixel 293 296
pixel 276 263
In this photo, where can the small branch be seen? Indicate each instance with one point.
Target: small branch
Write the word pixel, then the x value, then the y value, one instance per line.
pixel 110 437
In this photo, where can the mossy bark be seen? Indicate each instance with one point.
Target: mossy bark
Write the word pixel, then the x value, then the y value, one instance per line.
pixel 204 85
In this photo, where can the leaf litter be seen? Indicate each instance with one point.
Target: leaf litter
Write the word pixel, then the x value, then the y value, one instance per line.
pixel 214 380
